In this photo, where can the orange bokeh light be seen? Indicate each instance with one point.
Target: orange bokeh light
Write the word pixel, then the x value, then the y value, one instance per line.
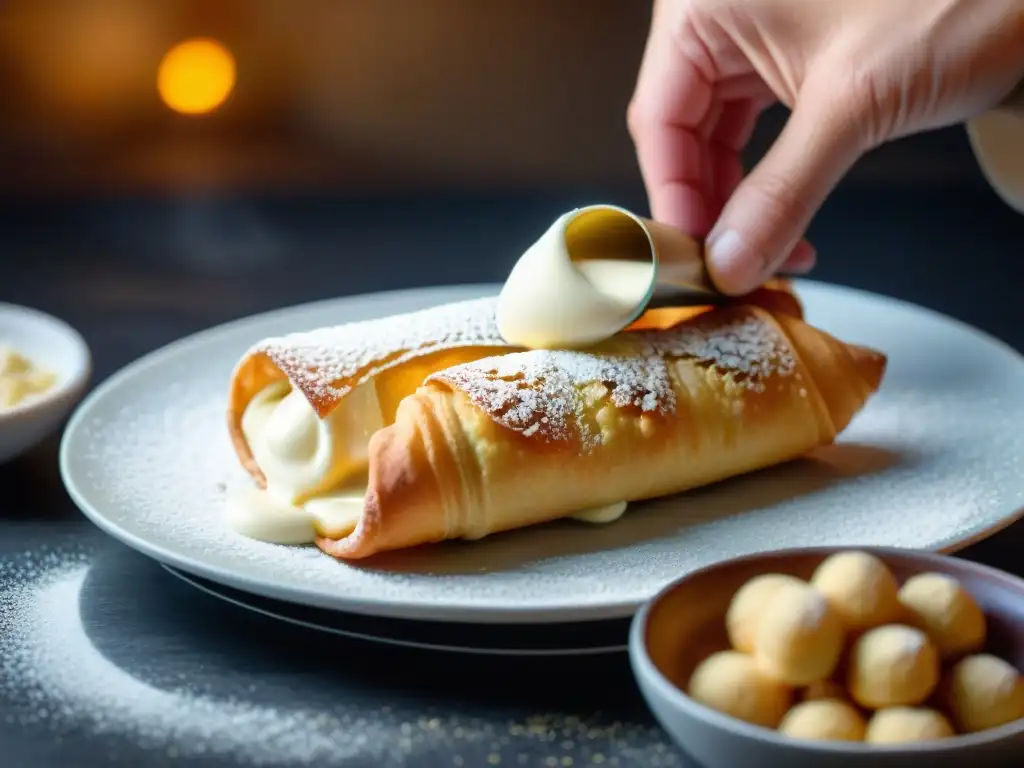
pixel 196 76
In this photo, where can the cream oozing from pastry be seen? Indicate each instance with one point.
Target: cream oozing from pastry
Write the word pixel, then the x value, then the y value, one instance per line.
pixel 299 455
pixel 582 281
pixel 600 515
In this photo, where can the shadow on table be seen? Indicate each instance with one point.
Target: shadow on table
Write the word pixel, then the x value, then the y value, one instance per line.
pixel 156 627
pixel 31 485
pixel 166 635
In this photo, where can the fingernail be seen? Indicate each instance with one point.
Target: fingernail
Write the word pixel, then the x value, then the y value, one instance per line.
pixel 733 266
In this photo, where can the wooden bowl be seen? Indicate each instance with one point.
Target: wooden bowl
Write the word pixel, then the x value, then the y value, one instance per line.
pixel 685 622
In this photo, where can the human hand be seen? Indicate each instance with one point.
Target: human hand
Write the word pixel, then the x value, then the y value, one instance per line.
pixel 855 73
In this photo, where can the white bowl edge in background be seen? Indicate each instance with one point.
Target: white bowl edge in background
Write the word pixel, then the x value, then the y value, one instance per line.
pixel 53 344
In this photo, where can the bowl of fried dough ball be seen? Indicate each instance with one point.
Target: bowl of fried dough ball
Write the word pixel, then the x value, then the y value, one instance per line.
pixel 835 657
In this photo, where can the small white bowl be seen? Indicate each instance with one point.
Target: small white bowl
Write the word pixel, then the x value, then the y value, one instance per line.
pixel 51 344
pixel 686 621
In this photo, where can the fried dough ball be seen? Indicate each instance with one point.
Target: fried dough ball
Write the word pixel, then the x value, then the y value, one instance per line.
pixel 747 607
pixel 730 682
pixel 946 612
pixel 900 725
pixel 800 637
pixel 983 691
pixel 890 666
pixel 823 720
pixel 860 587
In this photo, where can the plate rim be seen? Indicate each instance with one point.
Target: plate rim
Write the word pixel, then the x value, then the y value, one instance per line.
pixel 390 640
pixel 389 607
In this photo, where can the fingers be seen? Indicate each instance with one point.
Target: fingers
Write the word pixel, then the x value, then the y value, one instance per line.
pixel 731 133
pixel 801 260
pixel 689 127
pixel 671 103
pixel 762 223
pixel 672 164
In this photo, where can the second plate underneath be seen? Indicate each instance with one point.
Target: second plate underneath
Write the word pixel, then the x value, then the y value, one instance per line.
pixel 589 637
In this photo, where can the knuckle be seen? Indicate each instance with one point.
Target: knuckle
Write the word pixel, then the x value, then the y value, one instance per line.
pixel 637 119
pixel 864 104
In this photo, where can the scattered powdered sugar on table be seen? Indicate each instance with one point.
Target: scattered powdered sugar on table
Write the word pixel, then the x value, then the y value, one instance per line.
pixel 47 654
pixel 51 669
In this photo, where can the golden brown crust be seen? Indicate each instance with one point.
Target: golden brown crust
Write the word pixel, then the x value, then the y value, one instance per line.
pixel 449 468
pixel 846 374
pixel 399 352
pixel 407 515
pixel 328 363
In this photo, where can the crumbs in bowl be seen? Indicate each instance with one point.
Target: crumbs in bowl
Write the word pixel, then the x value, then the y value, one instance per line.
pixel 852 655
pixel 20 378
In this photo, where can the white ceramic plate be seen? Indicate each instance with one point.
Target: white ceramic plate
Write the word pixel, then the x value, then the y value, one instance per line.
pixel 581 638
pixel 933 462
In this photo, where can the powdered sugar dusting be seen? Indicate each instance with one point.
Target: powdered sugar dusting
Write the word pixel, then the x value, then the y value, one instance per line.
pixel 814 609
pixel 934 458
pixel 326 363
pixel 1004 678
pixel 53 674
pixel 906 641
pixel 740 341
pixel 541 392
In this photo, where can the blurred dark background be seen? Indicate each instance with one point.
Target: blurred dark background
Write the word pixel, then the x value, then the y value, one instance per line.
pixel 151 187
pixel 343 97
pixel 364 145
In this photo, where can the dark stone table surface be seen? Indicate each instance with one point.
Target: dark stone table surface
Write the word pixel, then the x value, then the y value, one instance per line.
pixel 133 275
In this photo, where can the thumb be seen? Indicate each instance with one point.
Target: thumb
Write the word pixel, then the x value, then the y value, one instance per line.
pixel 768 213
